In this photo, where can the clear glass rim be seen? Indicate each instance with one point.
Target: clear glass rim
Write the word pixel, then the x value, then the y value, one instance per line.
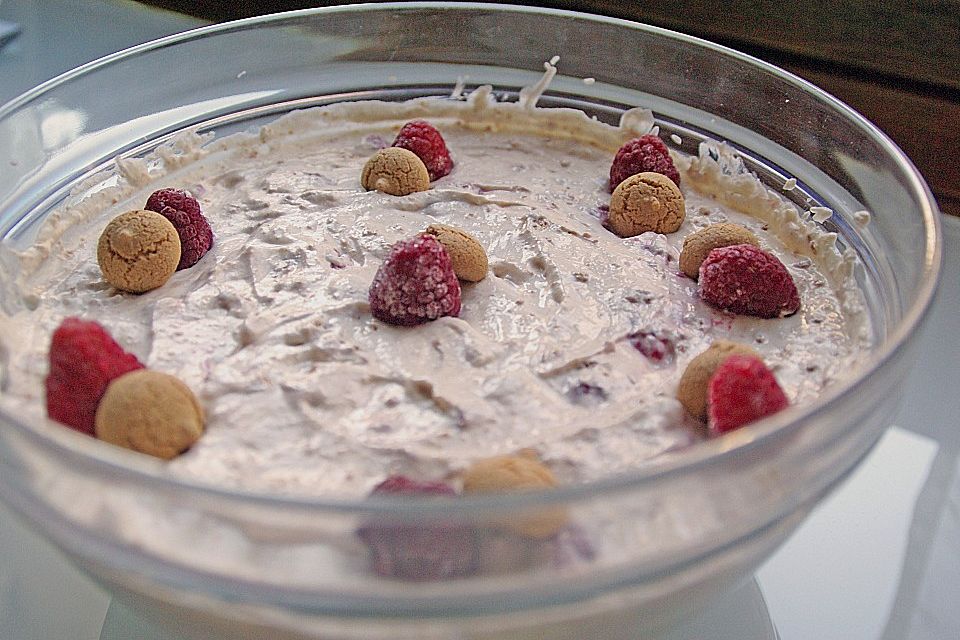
pixel 87 453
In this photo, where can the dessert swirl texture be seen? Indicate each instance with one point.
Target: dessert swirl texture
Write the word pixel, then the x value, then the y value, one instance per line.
pixel 306 392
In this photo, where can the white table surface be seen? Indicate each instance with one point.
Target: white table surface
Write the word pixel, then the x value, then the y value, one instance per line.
pixel 878 560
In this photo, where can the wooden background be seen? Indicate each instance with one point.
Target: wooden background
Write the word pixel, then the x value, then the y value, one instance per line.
pixel 896 62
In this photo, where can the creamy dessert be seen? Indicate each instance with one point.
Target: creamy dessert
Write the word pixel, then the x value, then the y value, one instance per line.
pixel 572 346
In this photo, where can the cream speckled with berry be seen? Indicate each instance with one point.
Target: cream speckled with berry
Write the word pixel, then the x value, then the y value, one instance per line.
pixel 305 392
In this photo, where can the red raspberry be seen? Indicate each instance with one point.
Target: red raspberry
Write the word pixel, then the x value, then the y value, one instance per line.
pixel 742 390
pixel 414 551
pixel 586 393
pixel 402 485
pixel 423 139
pixel 745 279
pixel 83 361
pixel 183 211
pixel 657 347
pixel 415 284
pixel 646 153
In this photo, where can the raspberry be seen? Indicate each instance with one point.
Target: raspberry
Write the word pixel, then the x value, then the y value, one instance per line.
pixel 418 552
pixel 402 485
pixel 646 153
pixel 183 210
pixel 742 390
pixel 657 347
pixel 83 361
pixel 415 284
pixel 586 393
pixel 423 139
pixel 744 279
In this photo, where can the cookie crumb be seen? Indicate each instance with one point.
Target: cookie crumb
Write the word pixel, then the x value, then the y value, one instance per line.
pixel 466 253
pixel 395 171
pixel 692 390
pixel 150 412
pixel 644 202
pixel 510 473
pixel 698 245
pixel 138 251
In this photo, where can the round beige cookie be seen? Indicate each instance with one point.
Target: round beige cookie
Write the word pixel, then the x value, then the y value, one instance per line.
pixel 395 171
pixel 646 202
pixel 466 253
pixel 503 474
pixel 698 245
pixel 138 251
pixel 692 390
pixel 149 412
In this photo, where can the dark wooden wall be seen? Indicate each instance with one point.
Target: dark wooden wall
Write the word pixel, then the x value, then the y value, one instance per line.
pixel 896 62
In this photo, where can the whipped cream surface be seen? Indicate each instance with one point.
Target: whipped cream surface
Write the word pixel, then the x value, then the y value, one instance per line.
pixel 306 393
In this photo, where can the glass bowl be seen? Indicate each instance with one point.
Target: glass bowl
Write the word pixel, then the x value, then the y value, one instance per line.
pixel 650 545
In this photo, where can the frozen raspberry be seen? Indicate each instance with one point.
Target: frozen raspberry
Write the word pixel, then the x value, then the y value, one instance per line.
pixel 744 279
pixel 657 348
pixel 586 393
pixel 423 139
pixel 646 153
pixel 183 210
pixel 398 484
pixel 742 390
pixel 414 551
pixel 84 359
pixel 415 284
